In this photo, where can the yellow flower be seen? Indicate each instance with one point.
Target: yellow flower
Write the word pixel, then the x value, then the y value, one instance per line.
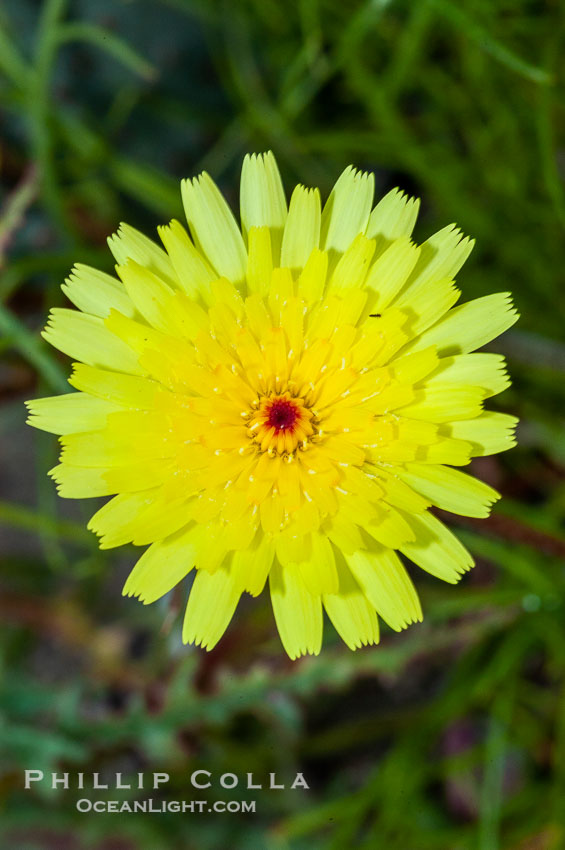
pixel 283 401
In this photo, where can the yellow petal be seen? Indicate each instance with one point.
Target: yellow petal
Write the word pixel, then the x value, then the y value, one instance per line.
pixel 312 281
pixel 386 585
pixel 441 257
pixel 95 292
pixel 260 260
pixel 211 604
pixel 262 198
pixel 251 566
pixel 98 449
pixel 67 414
pixel 352 615
pixel 347 210
pixel 476 370
pixel 450 489
pixel 352 268
pixel 127 390
pixel 488 434
pixel 426 306
pixel 161 567
pixel 435 549
pixel 112 522
pixel 391 270
pixel 151 296
pixel 439 403
pixel 194 273
pixel 469 326
pixel 129 244
pixel 214 228
pixel 389 527
pixel 394 216
pixel 318 567
pixel 302 229
pixel 298 613
pixel 86 338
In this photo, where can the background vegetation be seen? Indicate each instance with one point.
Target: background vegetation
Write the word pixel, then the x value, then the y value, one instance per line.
pixel 449 736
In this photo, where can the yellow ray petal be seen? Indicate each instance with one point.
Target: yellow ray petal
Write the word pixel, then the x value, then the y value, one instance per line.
pixel 77 483
pixel 441 257
pixel 394 216
pixel 476 370
pixel 414 367
pixel 488 434
pixel 389 527
pixel 213 227
pixel 98 449
pixel 113 521
pixel 346 211
pixel 151 296
pixel 351 270
pixel 439 403
pixel 126 390
pixel 312 281
pixel 387 586
pixel 435 549
pixel 298 613
pixel 129 244
pixel 469 326
pixel 86 338
pixel 67 414
pixel 95 292
pixel 446 450
pixel 302 229
pixel 161 567
pixel 251 566
pixel 262 198
pixel 317 568
pixel 450 489
pixel 352 615
pixel 193 271
pixel 259 260
pixel 390 271
pixel 426 306
pixel 399 494
pixel 211 604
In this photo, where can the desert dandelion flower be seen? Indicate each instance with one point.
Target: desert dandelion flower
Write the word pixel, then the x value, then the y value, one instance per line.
pixel 281 402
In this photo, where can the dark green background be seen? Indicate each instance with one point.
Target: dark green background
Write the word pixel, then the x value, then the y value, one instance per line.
pixel 450 736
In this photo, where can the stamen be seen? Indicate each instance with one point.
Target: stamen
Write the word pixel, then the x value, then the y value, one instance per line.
pixel 281 425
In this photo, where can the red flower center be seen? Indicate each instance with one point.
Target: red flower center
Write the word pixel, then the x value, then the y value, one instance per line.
pixel 282 414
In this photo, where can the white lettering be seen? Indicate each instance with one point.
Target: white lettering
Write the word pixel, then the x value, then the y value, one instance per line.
pixel 224 780
pixel 300 782
pixel 198 773
pixel 32 776
pixel 119 782
pixel 273 786
pixel 159 778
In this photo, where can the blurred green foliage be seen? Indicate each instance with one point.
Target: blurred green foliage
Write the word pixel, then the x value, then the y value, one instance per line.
pixel 448 737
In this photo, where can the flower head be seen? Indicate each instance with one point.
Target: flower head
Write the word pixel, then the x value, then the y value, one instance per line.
pixel 281 402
